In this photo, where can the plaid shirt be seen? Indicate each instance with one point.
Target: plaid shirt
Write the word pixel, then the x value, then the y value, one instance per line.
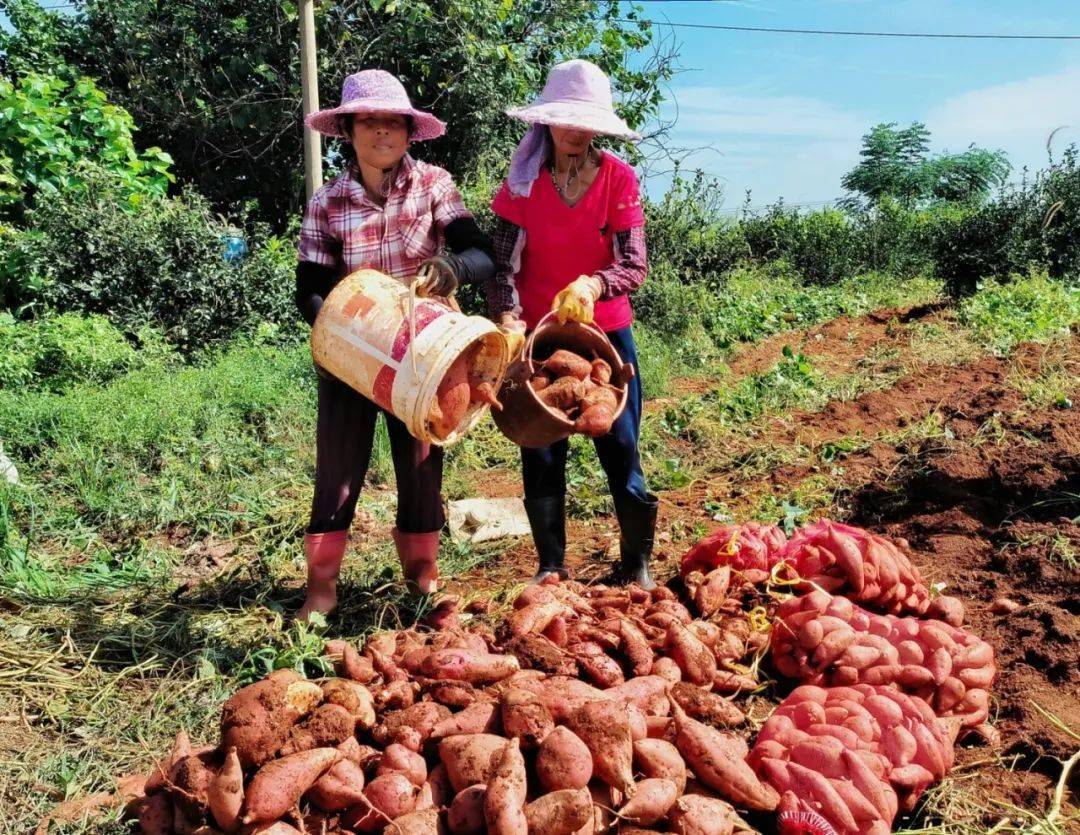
pixel 345 229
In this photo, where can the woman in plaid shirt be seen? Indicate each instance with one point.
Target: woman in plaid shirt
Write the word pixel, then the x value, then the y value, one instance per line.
pixel 394 214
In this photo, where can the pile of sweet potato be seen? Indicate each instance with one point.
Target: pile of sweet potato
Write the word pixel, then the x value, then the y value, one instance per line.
pixel 821 639
pixel 855 755
pixel 589 709
pixel 585 707
pixel 578 388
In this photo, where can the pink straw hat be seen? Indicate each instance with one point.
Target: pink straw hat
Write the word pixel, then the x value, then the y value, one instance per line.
pixel 577 95
pixel 375 91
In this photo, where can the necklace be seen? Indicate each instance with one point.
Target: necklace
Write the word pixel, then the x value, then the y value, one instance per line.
pixel 573 175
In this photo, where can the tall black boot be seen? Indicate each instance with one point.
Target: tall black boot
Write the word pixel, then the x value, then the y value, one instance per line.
pixel 637 528
pixel 547 518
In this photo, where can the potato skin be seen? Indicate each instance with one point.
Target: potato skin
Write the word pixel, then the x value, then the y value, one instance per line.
pixel 563 761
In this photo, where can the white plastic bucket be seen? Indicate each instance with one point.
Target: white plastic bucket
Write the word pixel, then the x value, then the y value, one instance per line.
pixel 363 336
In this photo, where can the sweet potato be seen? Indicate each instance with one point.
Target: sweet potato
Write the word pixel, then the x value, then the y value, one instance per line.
pixel 602 670
pixel 652 799
pixel 696 660
pixel 451 399
pixel 257 719
pixel 339 788
pixel 709 596
pixel 348 663
pixel 504 801
pixel 540 381
pixel 466 813
pixel 421 822
pixel 278 785
pixel 563 761
pixel 534 617
pixel 422 718
pixel 563 695
pixel 604 727
pixel 477 718
pixel 601 372
pixel 190 779
pixel 667 669
pixel 707 707
pixel 156 815
pixel 525 717
pixel 159 776
pixel 649 693
pixel 563 363
pixel 226 794
pixel 329 725
pixel 438 786
pixel 469 758
pixel 595 421
pixel 658 758
pixel 352 696
pixel 398 758
pixel 719 762
pixel 563 394
pixel 694 814
pixel 485 393
pixel 464 665
pixel 561 812
pixel 275 828
pixel 386 798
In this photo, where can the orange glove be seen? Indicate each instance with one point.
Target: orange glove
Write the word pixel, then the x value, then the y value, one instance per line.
pixel 576 301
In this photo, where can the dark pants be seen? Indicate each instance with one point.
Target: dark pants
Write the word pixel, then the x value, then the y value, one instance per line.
pixel 544 469
pixel 344 436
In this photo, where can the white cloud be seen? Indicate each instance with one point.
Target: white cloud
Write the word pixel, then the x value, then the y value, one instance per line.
pixel 799 147
pixel 1017 116
pixel 795 147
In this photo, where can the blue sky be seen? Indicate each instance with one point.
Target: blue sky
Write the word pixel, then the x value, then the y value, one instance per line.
pixel 783 114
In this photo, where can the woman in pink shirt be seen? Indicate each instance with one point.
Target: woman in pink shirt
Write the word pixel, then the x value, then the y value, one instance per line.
pixel 571 238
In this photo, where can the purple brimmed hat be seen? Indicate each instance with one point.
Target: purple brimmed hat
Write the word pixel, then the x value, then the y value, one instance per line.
pixel 375 91
pixel 577 95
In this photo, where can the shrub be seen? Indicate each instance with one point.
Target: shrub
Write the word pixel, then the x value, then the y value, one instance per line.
pixel 160 265
pixel 50 124
pixel 56 352
pixel 822 246
pixel 688 233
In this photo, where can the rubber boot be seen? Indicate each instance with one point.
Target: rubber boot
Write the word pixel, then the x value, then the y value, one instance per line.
pixel 637 528
pixel 547 518
pixel 323 552
pixel 419 555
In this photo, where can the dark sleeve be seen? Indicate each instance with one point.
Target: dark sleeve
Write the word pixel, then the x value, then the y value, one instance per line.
pixel 502 295
pixel 313 283
pixel 627 271
pixel 472 253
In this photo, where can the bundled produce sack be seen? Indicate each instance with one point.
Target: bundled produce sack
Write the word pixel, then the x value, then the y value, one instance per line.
pixel 750 548
pixel 866 568
pixel 829 641
pixel 853 755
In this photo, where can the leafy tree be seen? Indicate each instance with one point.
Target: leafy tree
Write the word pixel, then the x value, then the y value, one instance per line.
pixel 51 126
pixel 896 164
pixel 217 81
